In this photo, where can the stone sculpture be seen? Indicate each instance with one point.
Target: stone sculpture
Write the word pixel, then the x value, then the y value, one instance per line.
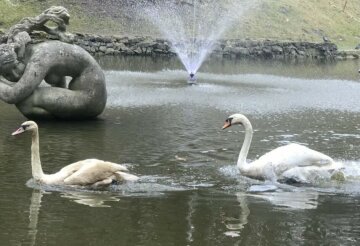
pixel 25 65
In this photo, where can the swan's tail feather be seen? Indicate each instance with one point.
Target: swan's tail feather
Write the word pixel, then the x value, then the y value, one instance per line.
pixel 126 176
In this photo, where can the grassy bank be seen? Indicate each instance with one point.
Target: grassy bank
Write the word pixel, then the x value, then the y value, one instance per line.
pixel 89 21
pixel 303 20
pixel 308 20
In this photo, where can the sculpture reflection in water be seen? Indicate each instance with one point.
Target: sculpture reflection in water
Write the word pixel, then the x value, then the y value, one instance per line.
pixel 24 65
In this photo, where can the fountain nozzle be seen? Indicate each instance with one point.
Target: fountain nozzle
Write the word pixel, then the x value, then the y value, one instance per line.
pixel 192 78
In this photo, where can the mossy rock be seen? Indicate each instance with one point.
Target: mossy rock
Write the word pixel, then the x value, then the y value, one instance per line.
pixel 338 176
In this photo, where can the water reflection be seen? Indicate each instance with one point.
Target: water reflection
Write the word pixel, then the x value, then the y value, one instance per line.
pixel 279 199
pixel 90 199
pixel 235 225
pixel 292 68
pixel 295 199
pixel 34 209
pixel 189 217
pixel 245 93
pixel 191 192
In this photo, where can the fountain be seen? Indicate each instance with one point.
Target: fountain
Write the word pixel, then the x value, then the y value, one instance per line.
pixel 193 27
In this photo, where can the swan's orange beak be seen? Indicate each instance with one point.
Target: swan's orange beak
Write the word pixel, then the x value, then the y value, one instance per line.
pixel 226 125
pixel 18 131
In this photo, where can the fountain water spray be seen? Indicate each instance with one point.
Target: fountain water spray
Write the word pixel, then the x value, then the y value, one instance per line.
pixel 194 26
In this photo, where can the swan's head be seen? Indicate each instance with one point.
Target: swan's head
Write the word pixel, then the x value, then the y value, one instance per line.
pixel 26 126
pixel 236 119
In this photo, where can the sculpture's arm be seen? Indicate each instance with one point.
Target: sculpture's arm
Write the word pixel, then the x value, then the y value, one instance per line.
pixel 16 92
pixel 6 90
pixel 56 31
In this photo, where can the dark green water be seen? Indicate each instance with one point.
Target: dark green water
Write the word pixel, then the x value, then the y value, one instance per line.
pixel 190 192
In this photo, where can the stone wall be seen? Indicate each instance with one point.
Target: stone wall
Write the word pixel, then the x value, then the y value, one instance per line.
pixel 147 46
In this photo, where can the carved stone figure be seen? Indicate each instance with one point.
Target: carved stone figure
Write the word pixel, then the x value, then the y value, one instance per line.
pixel 56 14
pixel 24 66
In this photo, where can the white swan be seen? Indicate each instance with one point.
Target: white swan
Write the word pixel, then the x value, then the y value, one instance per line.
pixel 89 172
pixel 282 162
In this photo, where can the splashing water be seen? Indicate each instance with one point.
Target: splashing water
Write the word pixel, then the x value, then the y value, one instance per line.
pixel 193 27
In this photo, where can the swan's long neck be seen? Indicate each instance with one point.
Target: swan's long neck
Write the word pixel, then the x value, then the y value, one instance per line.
pixel 241 163
pixel 37 171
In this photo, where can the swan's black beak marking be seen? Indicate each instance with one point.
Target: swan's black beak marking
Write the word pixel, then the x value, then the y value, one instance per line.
pixel 227 123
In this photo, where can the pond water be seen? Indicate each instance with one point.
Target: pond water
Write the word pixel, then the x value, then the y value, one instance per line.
pixel 190 192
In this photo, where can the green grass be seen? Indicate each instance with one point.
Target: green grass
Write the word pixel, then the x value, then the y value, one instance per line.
pixel 307 20
pixel 12 13
pixel 304 20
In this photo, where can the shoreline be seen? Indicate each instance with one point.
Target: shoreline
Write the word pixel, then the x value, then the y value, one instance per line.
pixel 116 45
pixel 99 45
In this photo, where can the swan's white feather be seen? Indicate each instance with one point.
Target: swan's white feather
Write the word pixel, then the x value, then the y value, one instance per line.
pixel 284 158
pixel 295 155
pixel 92 171
pixel 281 162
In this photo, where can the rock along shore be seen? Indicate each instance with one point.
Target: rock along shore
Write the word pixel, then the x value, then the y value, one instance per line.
pixel 98 45
pixel 234 48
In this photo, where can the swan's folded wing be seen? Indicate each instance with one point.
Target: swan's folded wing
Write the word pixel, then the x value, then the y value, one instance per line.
pixel 293 155
pixel 70 169
pixel 93 171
